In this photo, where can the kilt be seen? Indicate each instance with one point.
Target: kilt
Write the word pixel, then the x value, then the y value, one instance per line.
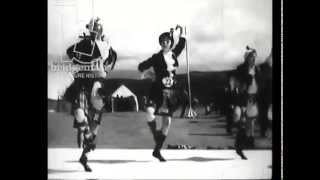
pixel 155 98
pixel 94 119
pixel 252 106
pixel 74 89
pixel 83 100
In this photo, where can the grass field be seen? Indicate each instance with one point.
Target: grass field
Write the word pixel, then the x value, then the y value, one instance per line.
pixel 129 130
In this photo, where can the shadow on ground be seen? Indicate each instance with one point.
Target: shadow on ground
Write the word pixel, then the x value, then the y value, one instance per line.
pixel 196 159
pixel 110 161
pixel 201 159
pixel 52 171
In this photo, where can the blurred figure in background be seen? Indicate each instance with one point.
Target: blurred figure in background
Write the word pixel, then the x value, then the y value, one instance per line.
pixel 247 111
pixel 265 95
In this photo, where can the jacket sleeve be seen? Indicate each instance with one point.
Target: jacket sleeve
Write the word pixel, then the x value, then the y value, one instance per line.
pixel 180 46
pixel 146 64
pixel 112 58
pixel 70 52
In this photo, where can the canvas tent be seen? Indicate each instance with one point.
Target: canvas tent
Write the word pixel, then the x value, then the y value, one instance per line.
pixel 123 92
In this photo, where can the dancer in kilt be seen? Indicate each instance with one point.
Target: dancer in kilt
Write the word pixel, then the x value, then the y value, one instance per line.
pixel 86 92
pixel 162 99
pixel 246 111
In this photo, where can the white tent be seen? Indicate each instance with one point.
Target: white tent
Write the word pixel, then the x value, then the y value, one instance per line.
pixel 124 92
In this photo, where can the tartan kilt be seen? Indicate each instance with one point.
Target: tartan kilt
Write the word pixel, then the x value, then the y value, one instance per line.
pixel 155 98
pixel 74 89
pixel 93 115
pixel 94 119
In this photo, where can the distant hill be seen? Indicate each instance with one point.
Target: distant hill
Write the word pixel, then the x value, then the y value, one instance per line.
pixel 124 74
pixel 206 86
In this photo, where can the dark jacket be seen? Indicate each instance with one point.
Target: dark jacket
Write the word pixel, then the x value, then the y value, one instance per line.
pixel 85 46
pixel 158 63
pixel 242 74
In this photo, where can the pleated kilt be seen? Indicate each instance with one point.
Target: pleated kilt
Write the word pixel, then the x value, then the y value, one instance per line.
pixel 155 98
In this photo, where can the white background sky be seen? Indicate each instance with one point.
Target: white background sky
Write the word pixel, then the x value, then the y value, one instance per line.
pixel 218 30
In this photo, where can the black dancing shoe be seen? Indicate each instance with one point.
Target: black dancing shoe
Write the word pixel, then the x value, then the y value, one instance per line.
pixel 158 155
pixel 240 153
pixel 83 161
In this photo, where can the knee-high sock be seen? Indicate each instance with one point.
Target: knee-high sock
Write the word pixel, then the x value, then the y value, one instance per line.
pixel 241 139
pixel 80 138
pixel 84 158
pixel 160 140
pixel 240 142
pixel 153 127
pixel 89 141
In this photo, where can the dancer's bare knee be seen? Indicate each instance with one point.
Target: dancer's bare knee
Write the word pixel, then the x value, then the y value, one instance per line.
pixel 166 122
pixel 150 113
pixel 80 115
pixel 236 114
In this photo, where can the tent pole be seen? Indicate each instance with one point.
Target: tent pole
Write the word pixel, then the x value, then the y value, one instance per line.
pixel 137 104
pixel 191 112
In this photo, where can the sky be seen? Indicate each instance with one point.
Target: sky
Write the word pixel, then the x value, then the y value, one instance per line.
pixel 217 30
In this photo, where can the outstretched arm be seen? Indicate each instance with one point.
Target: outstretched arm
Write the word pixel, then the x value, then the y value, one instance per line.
pixel 146 64
pixel 112 58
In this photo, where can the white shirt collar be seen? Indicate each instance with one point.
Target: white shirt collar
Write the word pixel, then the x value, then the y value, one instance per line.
pixel 169 61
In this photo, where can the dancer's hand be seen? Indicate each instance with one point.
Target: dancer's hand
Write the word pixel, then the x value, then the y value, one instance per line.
pixel 181 29
pixel 140 69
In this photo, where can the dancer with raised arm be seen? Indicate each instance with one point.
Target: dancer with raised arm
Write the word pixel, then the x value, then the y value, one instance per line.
pixel 162 99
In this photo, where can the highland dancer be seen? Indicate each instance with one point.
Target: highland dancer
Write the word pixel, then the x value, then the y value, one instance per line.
pixel 163 100
pixel 86 92
pixel 246 110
